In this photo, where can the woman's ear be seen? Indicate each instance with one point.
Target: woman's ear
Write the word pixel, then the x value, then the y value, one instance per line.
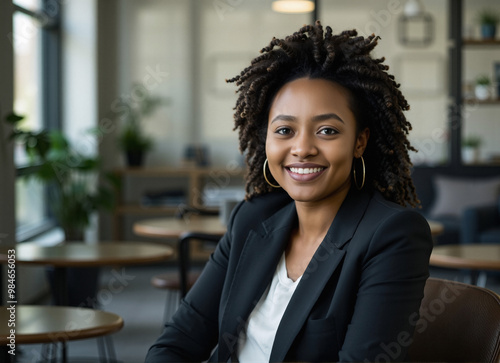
pixel 361 142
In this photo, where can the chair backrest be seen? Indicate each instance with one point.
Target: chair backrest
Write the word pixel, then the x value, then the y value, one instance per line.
pixel 458 323
pixel 183 247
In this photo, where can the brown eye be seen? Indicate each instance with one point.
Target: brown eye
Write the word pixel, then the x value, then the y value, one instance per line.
pixel 328 131
pixel 284 131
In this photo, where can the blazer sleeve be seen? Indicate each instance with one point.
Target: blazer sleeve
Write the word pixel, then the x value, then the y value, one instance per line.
pixel 391 285
pixel 193 331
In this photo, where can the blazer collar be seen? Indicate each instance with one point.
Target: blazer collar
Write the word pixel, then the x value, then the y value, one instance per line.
pixel 258 260
pixel 325 261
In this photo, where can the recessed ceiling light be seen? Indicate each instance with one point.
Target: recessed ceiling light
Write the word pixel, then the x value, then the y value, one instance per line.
pixel 293 6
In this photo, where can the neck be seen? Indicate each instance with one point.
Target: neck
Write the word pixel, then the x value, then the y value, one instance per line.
pixel 316 218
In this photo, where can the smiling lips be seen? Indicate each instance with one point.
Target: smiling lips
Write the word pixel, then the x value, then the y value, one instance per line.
pixel 304 173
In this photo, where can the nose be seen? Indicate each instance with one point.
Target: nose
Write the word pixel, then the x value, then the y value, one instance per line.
pixel 304 146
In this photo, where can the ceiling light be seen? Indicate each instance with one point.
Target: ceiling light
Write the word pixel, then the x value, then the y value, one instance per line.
pixel 293 6
pixel 413 8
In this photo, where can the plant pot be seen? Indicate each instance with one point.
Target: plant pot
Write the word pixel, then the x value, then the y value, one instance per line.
pixel 134 158
pixel 482 92
pixel 488 31
pixel 470 155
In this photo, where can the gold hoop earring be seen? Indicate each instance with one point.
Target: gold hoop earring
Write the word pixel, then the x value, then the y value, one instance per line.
pixel 265 176
pixel 364 174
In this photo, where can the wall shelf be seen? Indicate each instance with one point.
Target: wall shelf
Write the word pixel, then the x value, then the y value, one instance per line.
pixel 481 42
pixel 193 180
pixel 474 101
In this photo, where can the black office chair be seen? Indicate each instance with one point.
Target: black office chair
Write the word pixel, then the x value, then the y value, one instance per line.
pixel 178 283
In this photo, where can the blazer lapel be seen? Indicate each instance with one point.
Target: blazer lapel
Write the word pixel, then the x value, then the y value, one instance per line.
pixel 258 260
pixel 323 264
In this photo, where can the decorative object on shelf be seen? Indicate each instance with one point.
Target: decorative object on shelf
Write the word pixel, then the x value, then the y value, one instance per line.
pixel 482 89
pixel 488 20
pixel 293 6
pixel 470 149
pixel 132 140
pixel 416 26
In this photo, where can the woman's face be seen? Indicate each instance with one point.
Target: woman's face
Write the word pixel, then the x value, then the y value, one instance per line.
pixel 312 140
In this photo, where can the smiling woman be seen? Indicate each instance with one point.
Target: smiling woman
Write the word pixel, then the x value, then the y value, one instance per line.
pixel 322 261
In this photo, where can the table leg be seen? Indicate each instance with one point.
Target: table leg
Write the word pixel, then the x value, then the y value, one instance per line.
pixel 481 279
pixel 477 278
pixel 61 298
pixel 61 286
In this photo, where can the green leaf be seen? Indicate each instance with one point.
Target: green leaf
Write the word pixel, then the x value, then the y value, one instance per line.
pixel 13 118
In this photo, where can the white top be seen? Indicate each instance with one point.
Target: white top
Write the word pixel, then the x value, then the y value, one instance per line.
pixel 256 340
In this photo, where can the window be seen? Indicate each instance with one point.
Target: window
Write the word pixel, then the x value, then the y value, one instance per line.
pixel 36 42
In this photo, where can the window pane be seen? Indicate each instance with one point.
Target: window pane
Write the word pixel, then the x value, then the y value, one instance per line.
pixel 27 76
pixel 30 194
pixel 30 201
pixel 33 5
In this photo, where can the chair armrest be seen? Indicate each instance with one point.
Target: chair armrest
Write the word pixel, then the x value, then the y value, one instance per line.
pixel 477 219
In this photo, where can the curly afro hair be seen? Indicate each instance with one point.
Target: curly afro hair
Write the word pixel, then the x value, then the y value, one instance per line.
pixel 376 102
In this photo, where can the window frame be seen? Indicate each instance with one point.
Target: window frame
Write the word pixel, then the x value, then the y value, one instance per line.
pixel 49 18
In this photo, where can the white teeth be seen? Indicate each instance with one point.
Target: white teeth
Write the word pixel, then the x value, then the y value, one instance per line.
pixel 305 170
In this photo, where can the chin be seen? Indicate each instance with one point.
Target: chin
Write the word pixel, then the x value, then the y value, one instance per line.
pixel 303 196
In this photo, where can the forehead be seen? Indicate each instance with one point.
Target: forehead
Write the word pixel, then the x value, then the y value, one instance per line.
pixel 319 94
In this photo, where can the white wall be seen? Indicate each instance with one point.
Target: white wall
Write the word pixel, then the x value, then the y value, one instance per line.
pixel 79 73
pixel 155 52
pixel 230 33
pixel 420 70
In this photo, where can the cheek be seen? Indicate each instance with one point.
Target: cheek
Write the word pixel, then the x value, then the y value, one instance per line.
pixel 272 148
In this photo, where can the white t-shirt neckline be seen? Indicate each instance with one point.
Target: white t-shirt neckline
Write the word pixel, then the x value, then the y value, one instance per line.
pixel 257 339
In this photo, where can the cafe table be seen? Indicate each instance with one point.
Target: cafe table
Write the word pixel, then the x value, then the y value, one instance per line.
pixel 478 258
pixel 173 227
pixel 182 230
pixel 51 324
pixel 79 254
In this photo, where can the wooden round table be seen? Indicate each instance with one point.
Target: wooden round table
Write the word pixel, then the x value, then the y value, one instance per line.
pixel 80 254
pixel 176 227
pixel 51 324
pixel 477 257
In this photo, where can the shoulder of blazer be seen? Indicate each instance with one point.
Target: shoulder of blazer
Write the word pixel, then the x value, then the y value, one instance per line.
pixel 250 214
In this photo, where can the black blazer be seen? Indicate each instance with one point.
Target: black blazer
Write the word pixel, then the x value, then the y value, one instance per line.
pixel 357 301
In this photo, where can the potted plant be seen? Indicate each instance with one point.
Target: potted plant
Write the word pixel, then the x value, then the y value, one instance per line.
pixel 132 140
pixel 482 89
pixel 75 193
pixel 470 149
pixel 488 20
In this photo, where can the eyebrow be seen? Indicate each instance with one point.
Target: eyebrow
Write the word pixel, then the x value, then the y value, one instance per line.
pixel 323 117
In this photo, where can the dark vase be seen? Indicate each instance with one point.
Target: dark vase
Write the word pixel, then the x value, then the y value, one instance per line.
pixel 134 158
pixel 488 31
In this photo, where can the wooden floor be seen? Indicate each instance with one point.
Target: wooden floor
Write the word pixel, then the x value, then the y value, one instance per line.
pixel 142 307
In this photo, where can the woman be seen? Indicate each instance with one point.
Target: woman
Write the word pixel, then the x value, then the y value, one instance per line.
pixel 322 262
